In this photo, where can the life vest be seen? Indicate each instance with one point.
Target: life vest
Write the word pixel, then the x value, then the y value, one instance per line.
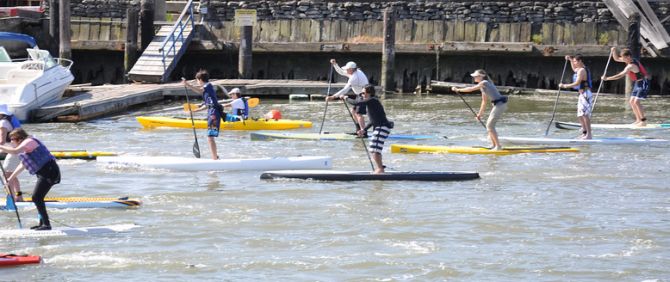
pixel 641 74
pixel 35 160
pixel 585 84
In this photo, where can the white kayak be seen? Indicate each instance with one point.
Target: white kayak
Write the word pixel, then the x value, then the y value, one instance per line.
pixel 76 203
pixel 193 164
pixel 594 141
pixel 574 125
pixel 65 231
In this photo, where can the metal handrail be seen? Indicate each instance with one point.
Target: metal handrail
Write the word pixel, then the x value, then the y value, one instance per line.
pixel 171 38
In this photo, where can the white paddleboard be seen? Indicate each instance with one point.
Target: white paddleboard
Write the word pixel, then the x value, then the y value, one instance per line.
pixel 66 231
pixel 594 141
pixel 193 164
pixel 573 125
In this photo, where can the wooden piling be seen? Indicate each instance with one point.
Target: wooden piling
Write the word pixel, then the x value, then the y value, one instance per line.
pixel 146 22
pixel 388 52
pixel 65 49
pixel 634 46
pixel 245 57
pixel 53 28
pixel 131 50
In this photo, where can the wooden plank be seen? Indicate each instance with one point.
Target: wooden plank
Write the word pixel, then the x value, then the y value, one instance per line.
pixel 449 32
pixel 590 33
pixel 505 29
pixel 515 32
pixel 439 31
pixel 547 33
pixel 559 28
pixel 404 30
pixel 459 31
pixel 569 34
pixel 481 32
pixel 525 32
pixel 285 30
pixel 656 24
pixel 84 29
pixel 105 28
pixel 422 31
pixel 494 33
pixel 94 33
pixel 622 37
pixel 470 32
pixel 579 33
pixel 75 26
pixel 315 28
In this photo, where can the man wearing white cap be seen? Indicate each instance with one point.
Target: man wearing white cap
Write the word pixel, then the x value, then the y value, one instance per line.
pixel 357 82
pixel 239 105
pixel 8 123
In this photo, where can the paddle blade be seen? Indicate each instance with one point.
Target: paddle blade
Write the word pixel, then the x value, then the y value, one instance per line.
pixel 190 107
pixel 253 102
pixel 196 149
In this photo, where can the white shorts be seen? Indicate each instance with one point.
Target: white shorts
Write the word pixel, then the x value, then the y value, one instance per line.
pixel 584 103
pixel 11 162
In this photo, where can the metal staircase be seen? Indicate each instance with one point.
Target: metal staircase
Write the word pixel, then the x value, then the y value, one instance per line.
pixel 169 44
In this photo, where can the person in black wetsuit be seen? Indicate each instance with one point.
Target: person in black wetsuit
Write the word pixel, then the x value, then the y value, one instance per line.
pixel 36 158
pixel 381 126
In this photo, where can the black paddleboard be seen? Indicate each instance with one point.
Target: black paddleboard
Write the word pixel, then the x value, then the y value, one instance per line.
pixel 335 175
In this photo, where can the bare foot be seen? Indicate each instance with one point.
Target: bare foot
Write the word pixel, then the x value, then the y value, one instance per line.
pixel 378 171
pixel 641 124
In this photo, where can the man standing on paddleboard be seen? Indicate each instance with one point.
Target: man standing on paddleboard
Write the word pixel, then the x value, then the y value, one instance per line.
pixel 499 102
pixel 211 103
pixel 357 81
pixel 639 75
pixel 581 81
pixel 381 126
pixel 40 162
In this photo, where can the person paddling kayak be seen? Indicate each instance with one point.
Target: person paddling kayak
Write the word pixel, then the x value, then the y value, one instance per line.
pixel 9 122
pixel 211 103
pixel 356 82
pixel 581 81
pixel 498 101
pixel 238 105
pixel 381 126
pixel 38 160
pixel 640 77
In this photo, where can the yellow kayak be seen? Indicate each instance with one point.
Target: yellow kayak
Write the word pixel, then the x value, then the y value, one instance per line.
pixel 250 124
pixel 414 149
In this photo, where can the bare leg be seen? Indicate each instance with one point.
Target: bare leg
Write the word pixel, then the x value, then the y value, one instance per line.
pixel 359 118
pixel 636 110
pixel 586 125
pixel 14 186
pixel 212 147
pixel 640 112
pixel 377 159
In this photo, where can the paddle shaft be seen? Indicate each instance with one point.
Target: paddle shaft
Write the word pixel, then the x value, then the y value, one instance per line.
pixel 10 197
pixel 362 139
pixel 553 113
pixel 196 147
pixel 323 120
pixel 472 110
pixel 595 99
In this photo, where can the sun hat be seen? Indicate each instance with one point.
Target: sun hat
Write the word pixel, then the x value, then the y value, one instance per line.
pixel 478 73
pixel 234 90
pixel 349 65
pixel 4 110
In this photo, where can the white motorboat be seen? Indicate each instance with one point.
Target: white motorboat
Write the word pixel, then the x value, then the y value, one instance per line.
pixel 28 84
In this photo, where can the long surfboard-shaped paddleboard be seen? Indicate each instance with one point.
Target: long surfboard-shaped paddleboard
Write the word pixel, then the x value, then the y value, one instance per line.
pixel 334 175
pixel 415 149
pixel 74 154
pixel 12 260
pixel 574 125
pixel 259 136
pixel 249 124
pixel 594 141
pixel 193 164
pixel 77 203
pixel 65 231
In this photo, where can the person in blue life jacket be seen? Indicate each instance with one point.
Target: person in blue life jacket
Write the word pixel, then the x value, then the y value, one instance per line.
pixel 381 126
pixel 211 104
pixel 499 102
pixel 36 158
pixel 9 122
pixel 239 105
pixel 581 81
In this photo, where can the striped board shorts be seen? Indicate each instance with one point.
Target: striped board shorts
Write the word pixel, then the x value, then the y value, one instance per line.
pixel 379 135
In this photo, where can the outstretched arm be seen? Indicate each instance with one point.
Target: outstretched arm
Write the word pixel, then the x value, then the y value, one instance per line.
pixel 618 75
pixel 468 89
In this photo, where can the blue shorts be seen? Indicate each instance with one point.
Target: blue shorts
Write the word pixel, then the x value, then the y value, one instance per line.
pixel 213 125
pixel 640 89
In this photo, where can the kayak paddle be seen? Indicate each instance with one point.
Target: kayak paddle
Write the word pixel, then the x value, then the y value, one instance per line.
pixel 253 102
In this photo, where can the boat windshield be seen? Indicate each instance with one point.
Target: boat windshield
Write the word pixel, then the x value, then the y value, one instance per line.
pixel 4 56
pixel 42 56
